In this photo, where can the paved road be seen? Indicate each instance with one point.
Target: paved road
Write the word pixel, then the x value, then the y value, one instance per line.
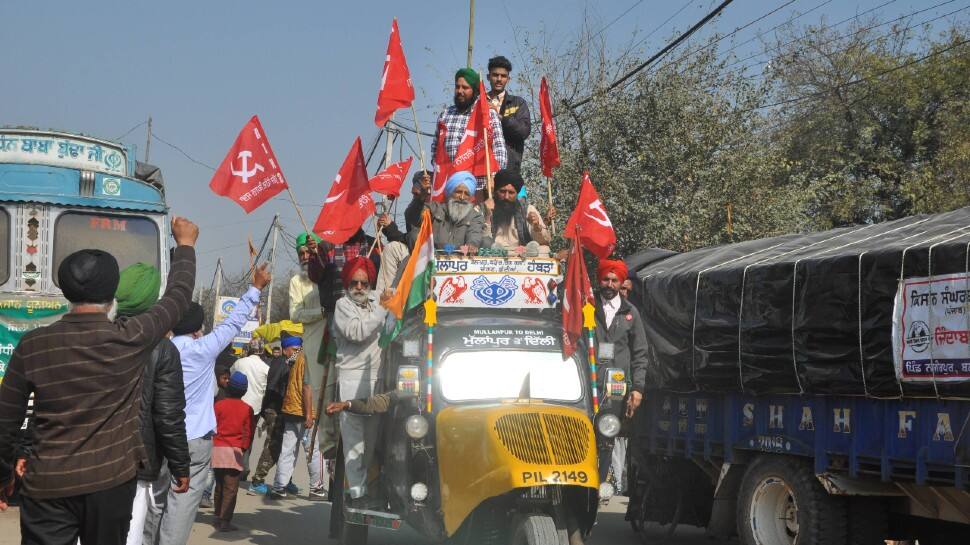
pixel 296 521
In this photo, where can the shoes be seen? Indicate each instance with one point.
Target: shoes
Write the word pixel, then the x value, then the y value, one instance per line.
pixel 318 494
pixel 258 489
pixel 292 488
pixel 206 502
pixel 225 526
pixel 278 493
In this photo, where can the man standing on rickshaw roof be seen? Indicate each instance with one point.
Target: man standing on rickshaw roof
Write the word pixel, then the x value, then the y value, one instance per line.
pixel 358 318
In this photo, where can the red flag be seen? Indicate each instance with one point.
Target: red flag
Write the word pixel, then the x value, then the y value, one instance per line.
pixel 548 145
pixel 250 174
pixel 442 165
pixel 471 151
pixel 396 89
pixel 577 292
pixel 595 230
pixel 349 203
pixel 389 181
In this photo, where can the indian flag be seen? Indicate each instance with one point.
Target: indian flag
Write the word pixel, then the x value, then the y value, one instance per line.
pixel 412 291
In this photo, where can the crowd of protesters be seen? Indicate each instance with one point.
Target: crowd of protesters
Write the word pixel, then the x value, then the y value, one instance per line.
pixel 157 418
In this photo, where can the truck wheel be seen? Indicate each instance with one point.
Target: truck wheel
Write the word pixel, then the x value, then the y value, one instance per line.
pixel 536 530
pixel 782 503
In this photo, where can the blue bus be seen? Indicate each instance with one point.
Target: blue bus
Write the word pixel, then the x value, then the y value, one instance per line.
pixel 59 193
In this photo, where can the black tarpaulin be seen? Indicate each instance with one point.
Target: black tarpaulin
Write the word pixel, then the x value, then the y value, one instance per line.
pixel 808 313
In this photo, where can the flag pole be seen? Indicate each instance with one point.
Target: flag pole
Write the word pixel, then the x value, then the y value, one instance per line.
pixel 417 133
pixel 272 266
pixel 552 223
pixel 298 211
pixel 488 136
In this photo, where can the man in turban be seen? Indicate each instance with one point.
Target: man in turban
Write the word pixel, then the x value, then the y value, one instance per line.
pixel 162 409
pixel 199 353
pixel 457 222
pixel 357 328
pixel 622 344
pixel 80 476
pixel 455 119
pixel 513 222
pixel 296 416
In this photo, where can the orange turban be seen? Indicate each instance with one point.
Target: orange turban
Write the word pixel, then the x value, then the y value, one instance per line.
pixel 355 264
pixel 614 266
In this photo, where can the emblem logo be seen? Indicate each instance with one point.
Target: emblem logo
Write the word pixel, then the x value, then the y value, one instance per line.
pixel 111 187
pixel 245 172
pixel 494 293
pixel 919 336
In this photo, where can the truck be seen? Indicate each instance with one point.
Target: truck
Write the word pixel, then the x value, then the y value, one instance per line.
pixel 809 388
pixel 61 192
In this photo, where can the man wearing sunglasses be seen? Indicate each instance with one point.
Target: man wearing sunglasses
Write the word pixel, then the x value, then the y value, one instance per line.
pixel 357 322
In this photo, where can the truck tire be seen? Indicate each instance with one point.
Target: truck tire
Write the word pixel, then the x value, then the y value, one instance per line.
pixel 868 521
pixel 782 503
pixel 536 530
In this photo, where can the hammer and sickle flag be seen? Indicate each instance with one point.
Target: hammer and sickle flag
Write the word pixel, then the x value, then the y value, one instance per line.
pixel 349 203
pixel 250 174
pixel 590 223
pixel 396 88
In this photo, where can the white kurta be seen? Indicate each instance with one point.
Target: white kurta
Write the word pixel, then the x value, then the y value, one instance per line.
pixel 305 308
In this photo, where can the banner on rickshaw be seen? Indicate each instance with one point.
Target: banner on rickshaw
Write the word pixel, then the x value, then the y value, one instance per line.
pixel 496 282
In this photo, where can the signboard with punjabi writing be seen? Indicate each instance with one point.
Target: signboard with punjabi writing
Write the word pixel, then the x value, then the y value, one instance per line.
pixel 18 316
pixel 485 338
pixel 496 282
pixel 62 151
pixel 931 329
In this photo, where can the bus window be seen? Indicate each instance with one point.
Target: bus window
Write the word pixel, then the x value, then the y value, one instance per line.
pixel 130 239
pixel 4 246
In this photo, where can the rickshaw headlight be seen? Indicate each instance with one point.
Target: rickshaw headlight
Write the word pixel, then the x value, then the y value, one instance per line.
pixel 606 491
pixel 416 426
pixel 411 348
pixel 608 425
pixel 419 492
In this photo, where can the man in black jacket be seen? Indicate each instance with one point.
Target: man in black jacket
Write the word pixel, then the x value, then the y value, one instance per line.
pixel 162 416
pixel 512 110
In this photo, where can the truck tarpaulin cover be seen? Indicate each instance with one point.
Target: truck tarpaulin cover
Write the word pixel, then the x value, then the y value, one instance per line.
pixel 821 313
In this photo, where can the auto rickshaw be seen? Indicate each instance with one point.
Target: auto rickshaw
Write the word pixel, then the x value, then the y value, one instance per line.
pixel 506 448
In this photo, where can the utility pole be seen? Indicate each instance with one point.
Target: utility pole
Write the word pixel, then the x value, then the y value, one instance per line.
pixel 272 273
pixel 215 297
pixel 471 30
pixel 148 140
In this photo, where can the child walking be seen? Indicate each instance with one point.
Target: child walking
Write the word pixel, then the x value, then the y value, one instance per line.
pixel 233 422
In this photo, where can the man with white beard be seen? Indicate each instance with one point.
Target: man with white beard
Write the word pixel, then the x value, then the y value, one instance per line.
pixel 457 222
pixel 356 330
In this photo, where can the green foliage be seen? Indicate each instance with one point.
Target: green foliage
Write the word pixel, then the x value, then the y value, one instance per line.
pixel 832 133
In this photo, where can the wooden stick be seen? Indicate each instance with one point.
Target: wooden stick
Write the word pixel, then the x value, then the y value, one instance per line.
pixel 298 211
pixel 417 132
pixel 377 239
pixel 552 223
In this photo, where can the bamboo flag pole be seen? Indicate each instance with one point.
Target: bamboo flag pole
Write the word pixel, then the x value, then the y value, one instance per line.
pixel 297 208
pixel 417 133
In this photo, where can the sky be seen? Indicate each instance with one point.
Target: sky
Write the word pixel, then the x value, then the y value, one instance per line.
pixel 310 70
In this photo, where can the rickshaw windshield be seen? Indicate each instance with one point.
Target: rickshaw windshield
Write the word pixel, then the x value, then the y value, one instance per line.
pixel 499 374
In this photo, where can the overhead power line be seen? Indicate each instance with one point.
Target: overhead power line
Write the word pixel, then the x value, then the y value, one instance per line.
pixel 687 34
pixel 618 17
pixel 860 80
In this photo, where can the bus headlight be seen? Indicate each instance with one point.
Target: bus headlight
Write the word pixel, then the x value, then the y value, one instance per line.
pixel 416 426
pixel 419 492
pixel 608 425
pixel 407 379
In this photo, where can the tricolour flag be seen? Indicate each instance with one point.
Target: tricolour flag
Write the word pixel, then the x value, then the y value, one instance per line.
pixel 415 284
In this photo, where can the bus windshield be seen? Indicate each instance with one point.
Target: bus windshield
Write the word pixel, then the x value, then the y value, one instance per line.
pixel 499 374
pixel 131 239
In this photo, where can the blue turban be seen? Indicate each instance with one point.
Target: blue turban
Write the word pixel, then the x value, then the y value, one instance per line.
pixel 289 342
pixel 462 177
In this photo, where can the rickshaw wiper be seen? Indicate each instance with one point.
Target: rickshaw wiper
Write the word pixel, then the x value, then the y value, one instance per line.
pixel 525 392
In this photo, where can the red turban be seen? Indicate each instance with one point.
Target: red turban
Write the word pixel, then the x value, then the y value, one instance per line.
pixel 614 266
pixel 355 264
